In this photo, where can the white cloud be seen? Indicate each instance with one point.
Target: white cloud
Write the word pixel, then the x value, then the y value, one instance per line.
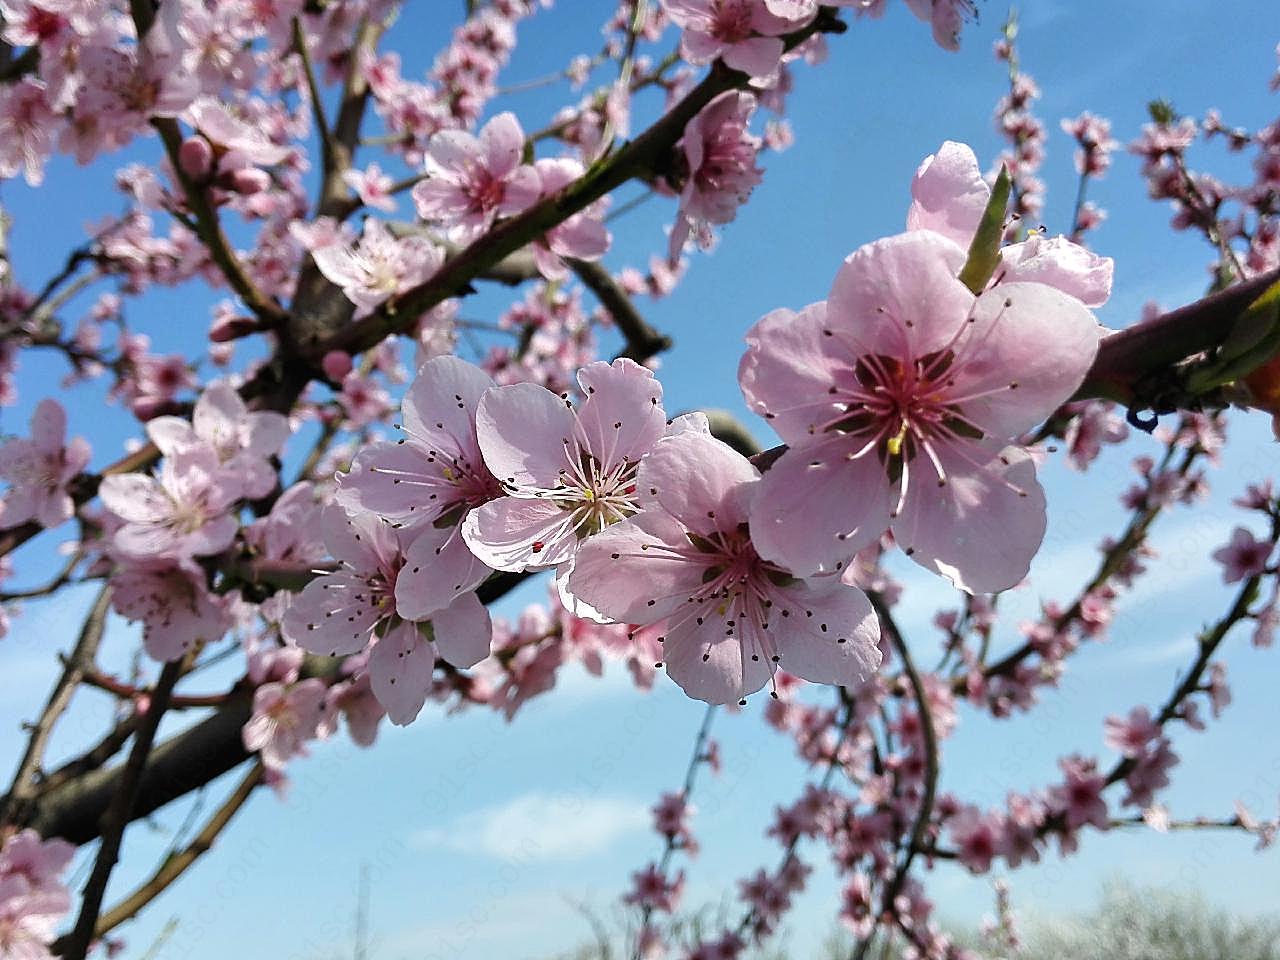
pixel 537 826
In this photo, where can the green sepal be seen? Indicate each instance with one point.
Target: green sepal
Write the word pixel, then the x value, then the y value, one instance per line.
pixel 984 251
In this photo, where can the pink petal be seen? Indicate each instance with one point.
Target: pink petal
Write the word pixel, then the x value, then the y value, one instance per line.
pixel 49 426
pixel 455 151
pixel 785 373
pixel 516 534
pixel 948 194
pixel 549 263
pixel 710 666
pixel 898 296
pixel 218 415
pixel 440 405
pixel 622 417
pixel 438 566
pixel 267 433
pixel 977 531
pixel 702 482
pixel 401 669
pixel 1027 334
pixel 522 190
pixel 583 237
pixel 847 651
pixel 171 434
pixel 135 498
pixel 332 616
pixel 502 144
pixel 628 573
pixel 395 481
pixel 699 48
pixel 575 605
pixel 815 509
pixel 363 541
pixel 522 429
pixel 434 199
pixel 462 631
pixel 1058 262
pixel 758 57
pixel 213 537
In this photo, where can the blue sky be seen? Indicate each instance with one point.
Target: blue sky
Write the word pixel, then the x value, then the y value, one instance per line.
pixel 480 836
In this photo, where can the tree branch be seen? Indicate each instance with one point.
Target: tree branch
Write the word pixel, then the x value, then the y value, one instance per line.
pixel 82 657
pixel 119 814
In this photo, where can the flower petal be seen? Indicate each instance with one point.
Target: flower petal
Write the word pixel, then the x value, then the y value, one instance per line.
pixel 523 429
pixel 463 632
pixel 401 669
pixel 815 508
pixel 786 373
pixel 1031 348
pixel 948 194
pixel 982 529
pixel 834 637
pixel 516 534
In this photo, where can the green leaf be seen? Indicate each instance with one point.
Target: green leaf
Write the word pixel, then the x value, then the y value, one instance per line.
pixel 1254 339
pixel 984 251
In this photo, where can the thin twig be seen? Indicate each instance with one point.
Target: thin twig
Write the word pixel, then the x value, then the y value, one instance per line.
pixel 82 656
pixel 118 815
pixel 176 865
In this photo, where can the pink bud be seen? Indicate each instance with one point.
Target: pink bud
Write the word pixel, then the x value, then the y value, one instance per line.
pixel 249 181
pixel 226 329
pixel 336 364
pixel 195 157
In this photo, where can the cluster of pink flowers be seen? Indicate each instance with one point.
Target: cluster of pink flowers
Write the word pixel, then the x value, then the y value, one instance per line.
pixel 33 897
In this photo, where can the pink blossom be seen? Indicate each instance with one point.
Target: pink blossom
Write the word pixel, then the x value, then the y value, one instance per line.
pixel 978 837
pixel 338 614
pixel 359 707
pixel 428 483
pixel 184 511
pixel 379 266
pixel 41 469
pixel 745 34
pixel 652 890
pixel 26 124
pixel 907 388
pixel 568 472
pixel 37 862
pixel 243 441
pixel 1243 556
pixel 721 157
pixel 372 186
pixel 582 236
pixel 1218 690
pixel 472 180
pixel 946 17
pixel 29 919
pixel 284 719
pixel 1129 737
pixel 1079 798
pixel 245 143
pixel 175 607
pixel 1093 423
pixel 732 619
